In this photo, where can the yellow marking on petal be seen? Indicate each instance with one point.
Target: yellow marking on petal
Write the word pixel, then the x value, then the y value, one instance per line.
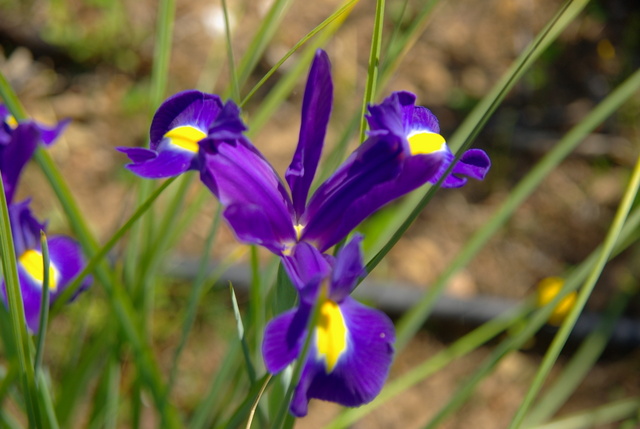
pixel 32 262
pixel 548 289
pixel 11 121
pixel 331 334
pixel 185 137
pixel 425 143
pixel 298 228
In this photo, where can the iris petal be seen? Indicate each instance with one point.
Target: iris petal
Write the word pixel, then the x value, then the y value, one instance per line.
pixel 22 143
pixel 284 338
pixel 239 176
pixel 351 194
pixel 165 163
pixel 359 374
pixel 316 109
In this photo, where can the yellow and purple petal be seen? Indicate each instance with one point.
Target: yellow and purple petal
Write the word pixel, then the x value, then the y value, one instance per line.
pixel 177 126
pixel 316 109
pixel 361 366
pixel 352 345
pixel 399 115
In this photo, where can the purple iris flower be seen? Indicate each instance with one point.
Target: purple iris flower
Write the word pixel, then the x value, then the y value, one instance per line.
pixel 399 115
pixel 351 349
pixel 66 261
pixel 259 208
pixel 178 125
pixel 18 142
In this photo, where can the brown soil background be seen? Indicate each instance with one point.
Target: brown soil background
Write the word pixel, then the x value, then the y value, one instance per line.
pixel 463 52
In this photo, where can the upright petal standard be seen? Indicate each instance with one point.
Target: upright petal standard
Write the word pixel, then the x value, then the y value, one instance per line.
pixel 351 347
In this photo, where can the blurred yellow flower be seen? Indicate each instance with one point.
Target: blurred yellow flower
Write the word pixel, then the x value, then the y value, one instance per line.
pixel 548 289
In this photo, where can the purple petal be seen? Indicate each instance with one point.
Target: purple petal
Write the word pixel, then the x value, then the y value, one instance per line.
pixel 348 269
pixel 166 163
pixel 305 264
pixel 228 125
pixel 25 228
pixel 474 163
pixel 350 194
pixel 360 372
pixel 138 154
pixel 251 224
pixel 388 116
pixel 49 134
pixel 15 155
pixel 316 109
pixel 239 176
pixel 193 108
pixel 31 291
pixel 66 255
pixel 284 337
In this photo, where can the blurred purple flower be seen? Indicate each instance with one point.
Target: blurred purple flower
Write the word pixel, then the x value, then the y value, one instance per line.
pixel 66 261
pixel 351 348
pixel 18 142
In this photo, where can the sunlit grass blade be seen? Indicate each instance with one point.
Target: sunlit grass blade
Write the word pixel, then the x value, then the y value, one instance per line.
pixel 44 304
pixel 17 316
pixel 581 362
pixel 46 401
pixel 584 294
pixel 374 64
pixel 251 372
pixel 233 76
pixel 247 406
pixel 268 27
pixel 339 14
pixel 597 417
pixel 400 43
pixel 412 320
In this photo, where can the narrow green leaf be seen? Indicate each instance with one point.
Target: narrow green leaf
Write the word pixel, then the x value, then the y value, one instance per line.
pixel 44 304
pixel 16 311
pixel 235 89
pixel 582 361
pixel 340 14
pixel 374 64
pixel 240 327
pixel 597 417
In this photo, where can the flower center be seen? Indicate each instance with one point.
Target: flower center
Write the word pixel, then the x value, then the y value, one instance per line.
pixel 185 137
pixel 331 334
pixel 32 262
pixel 11 121
pixel 425 143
